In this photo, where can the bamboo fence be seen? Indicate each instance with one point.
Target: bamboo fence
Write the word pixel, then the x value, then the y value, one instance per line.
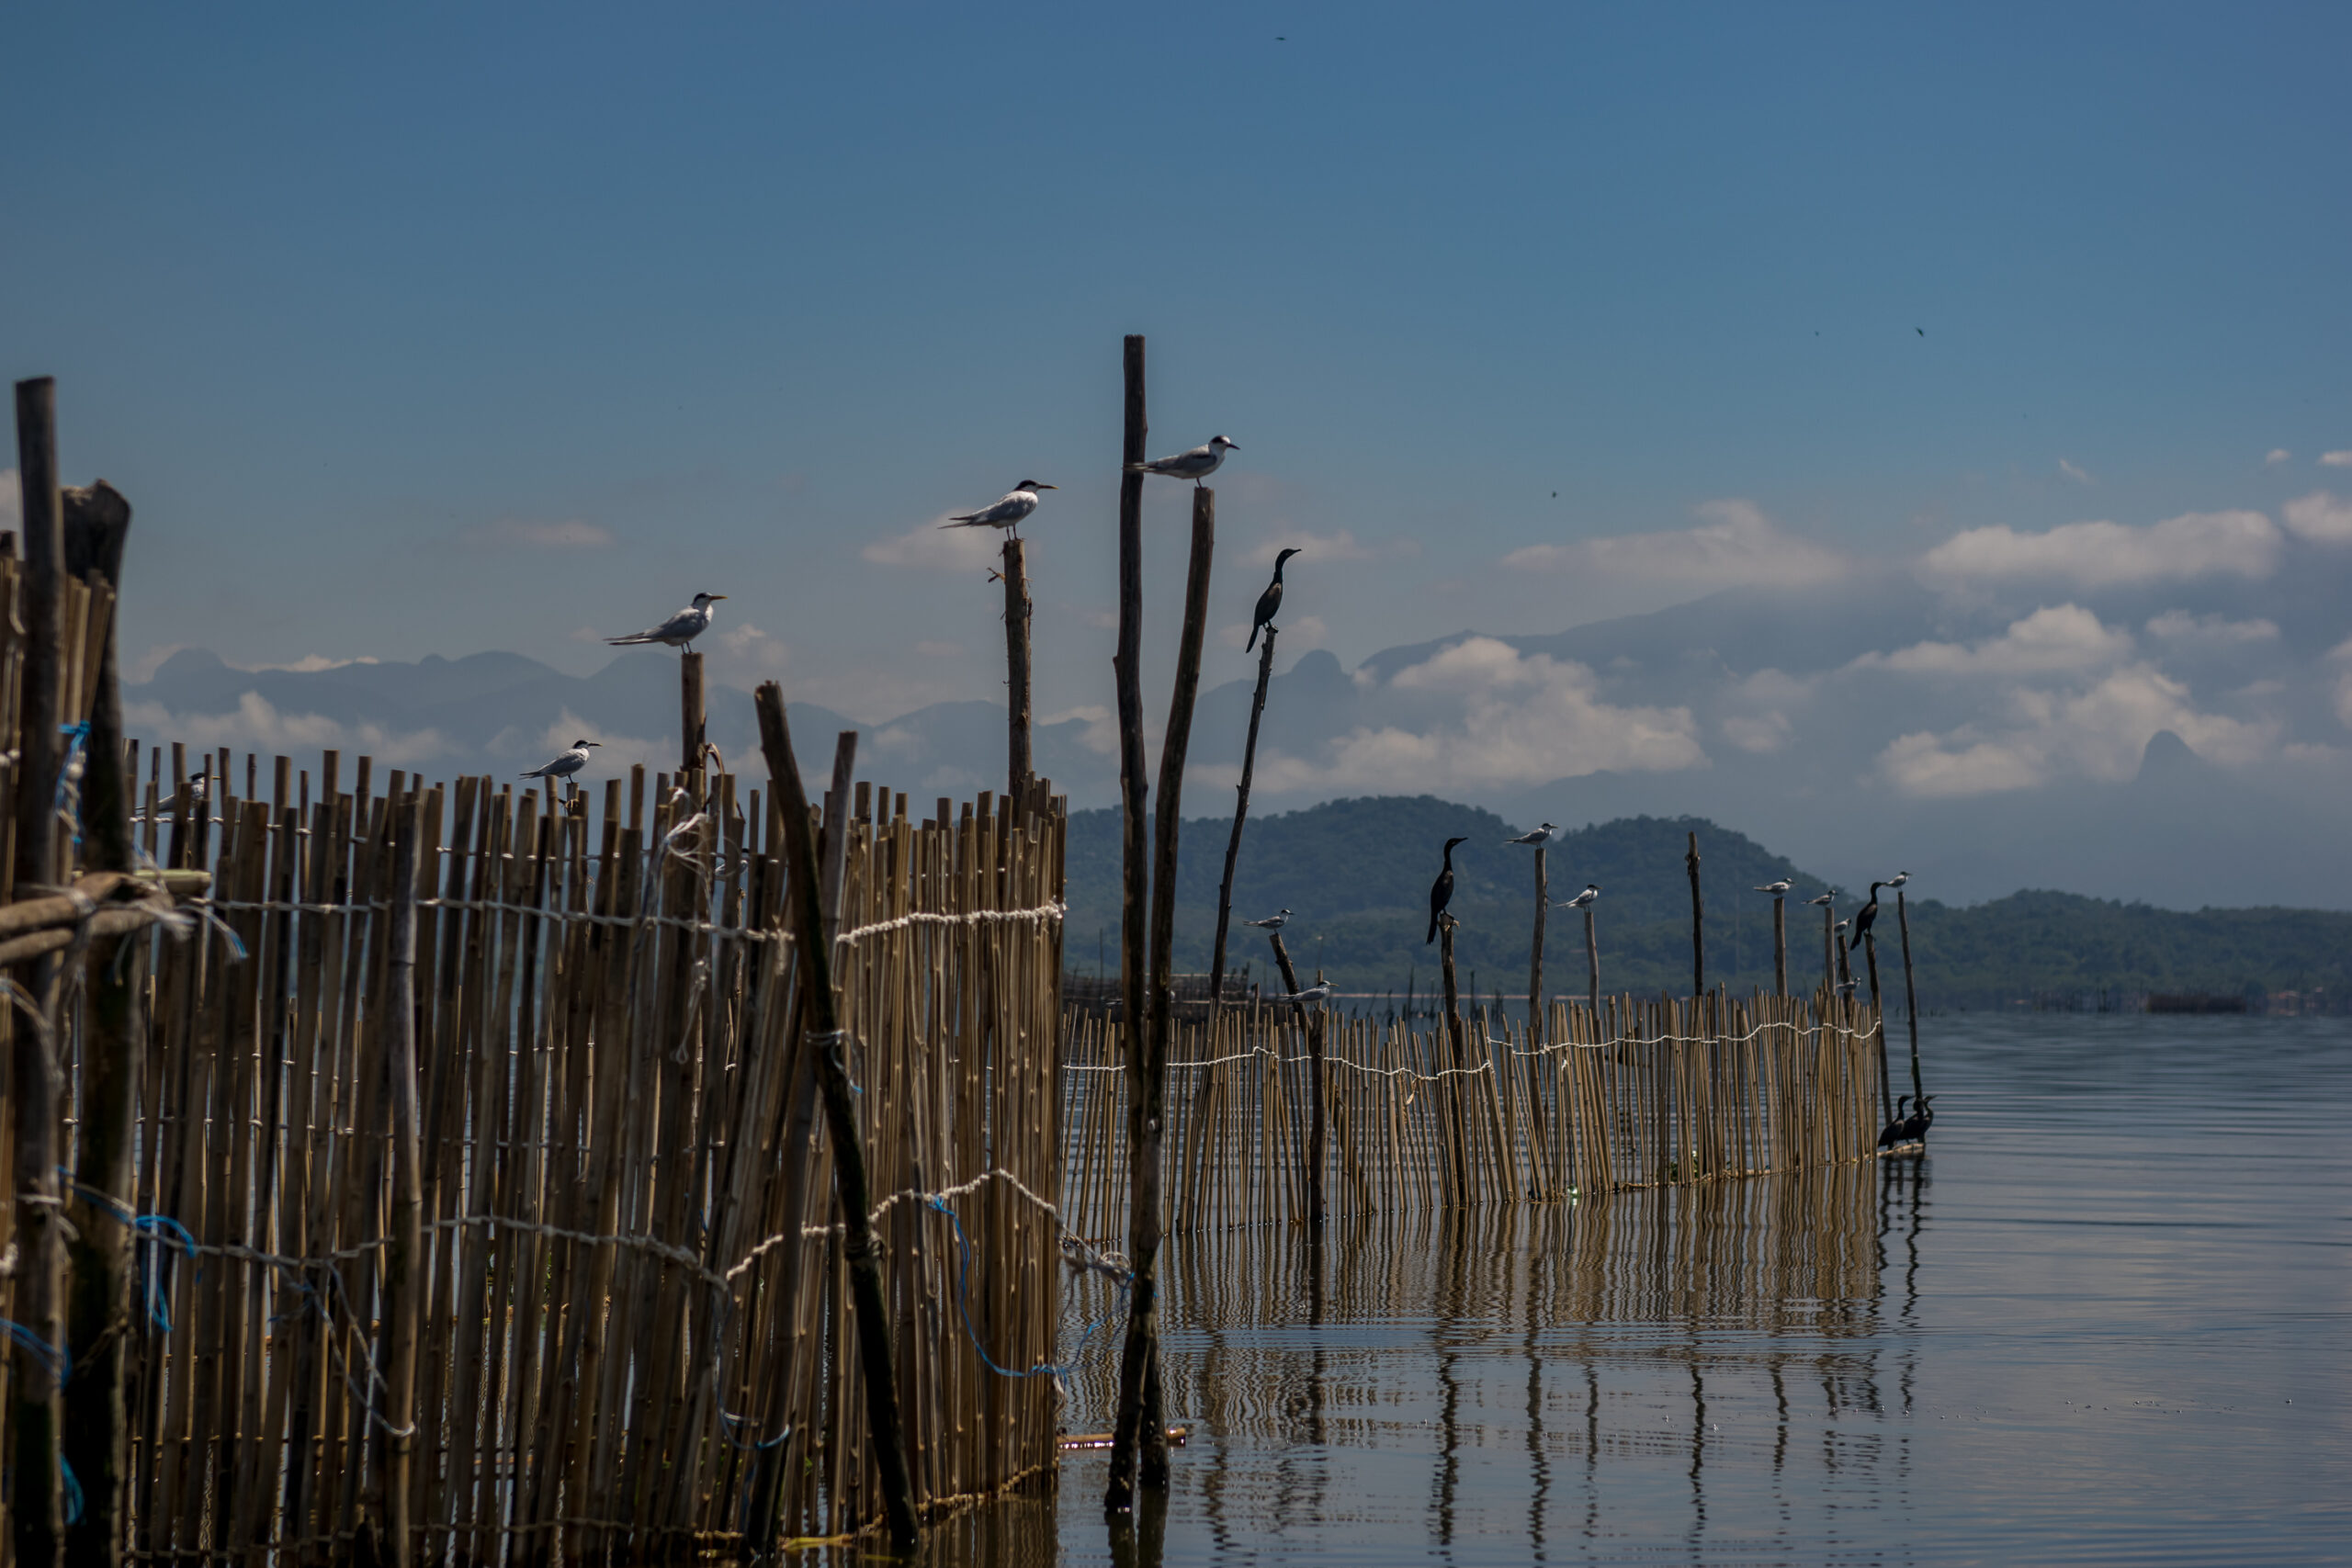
pixel 621 1319
pixel 1646 1093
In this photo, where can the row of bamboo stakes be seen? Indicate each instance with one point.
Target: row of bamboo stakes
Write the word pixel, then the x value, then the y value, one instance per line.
pixel 1642 1093
pixel 622 1320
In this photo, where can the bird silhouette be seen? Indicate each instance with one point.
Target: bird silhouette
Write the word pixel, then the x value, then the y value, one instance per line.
pixel 1442 890
pixel 1866 915
pixel 1892 1134
pixel 1262 617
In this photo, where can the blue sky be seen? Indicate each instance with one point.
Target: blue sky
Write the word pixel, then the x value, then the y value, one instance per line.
pixel 451 328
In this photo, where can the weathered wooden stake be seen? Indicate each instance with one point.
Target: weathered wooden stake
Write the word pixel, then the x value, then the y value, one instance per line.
pixel 1140 1359
pixel 1885 1089
pixel 1240 815
pixel 98 1314
pixel 851 1196
pixel 1459 1157
pixel 37 1093
pixel 1535 953
pixel 691 728
pixel 1698 923
pixel 1910 992
pixel 1591 967
pixel 404 1257
pixel 1020 765
pixel 1829 945
pixel 1780 943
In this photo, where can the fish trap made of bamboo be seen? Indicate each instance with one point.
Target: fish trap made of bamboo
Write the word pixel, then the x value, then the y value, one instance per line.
pixel 626 1324
pixel 1643 1093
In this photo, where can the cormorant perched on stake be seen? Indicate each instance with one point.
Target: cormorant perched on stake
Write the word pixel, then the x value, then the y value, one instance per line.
pixel 1864 916
pixel 1892 1134
pixel 569 763
pixel 1195 465
pixel 1442 890
pixel 1018 502
pixel 1547 834
pixel 1262 618
pixel 1916 1125
pixel 1273 922
pixel 680 630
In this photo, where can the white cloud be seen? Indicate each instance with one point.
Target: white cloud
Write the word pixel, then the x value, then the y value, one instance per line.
pixel 1759 733
pixel 2056 638
pixel 1735 544
pixel 256 725
pixel 2195 544
pixel 747 644
pixel 1101 735
pixel 2336 459
pixel 1516 719
pixel 2079 475
pixel 525 534
pixel 310 664
pixel 2099 733
pixel 2277 455
pixel 1325 549
pixel 2211 631
pixel 933 548
pixel 2321 518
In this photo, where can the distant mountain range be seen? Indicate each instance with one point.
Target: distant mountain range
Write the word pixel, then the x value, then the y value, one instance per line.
pixel 1356 875
pixel 1775 708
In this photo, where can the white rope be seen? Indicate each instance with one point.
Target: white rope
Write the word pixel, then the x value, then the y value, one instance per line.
pixel 971 917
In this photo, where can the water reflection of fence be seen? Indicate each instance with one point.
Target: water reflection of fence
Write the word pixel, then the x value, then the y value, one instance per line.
pixel 620 1306
pixel 1643 1093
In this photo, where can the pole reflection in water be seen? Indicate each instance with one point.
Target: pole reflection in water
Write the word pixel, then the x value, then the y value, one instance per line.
pixel 1657 1336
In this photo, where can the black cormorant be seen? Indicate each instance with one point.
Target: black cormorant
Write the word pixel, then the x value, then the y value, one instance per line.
pixel 1262 618
pixel 1892 1134
pixel 1442 890
pixel 1864 916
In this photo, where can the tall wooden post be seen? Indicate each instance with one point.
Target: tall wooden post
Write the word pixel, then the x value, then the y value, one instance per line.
pixel 403 1307
pixel 1314 1021
pixel 1910 992
pixel 1698 923
pixel 1829 945
pixel 1461 1156
pixel 1780 943
pixel 1019 767
pixel 98 1313
pixel 691 722
pixel 1138 1362
pixel 1535 953
pixel 1885 1089
pixel 36 1095
pixel 1591 967
pixel 851 1195
pixel 1240 815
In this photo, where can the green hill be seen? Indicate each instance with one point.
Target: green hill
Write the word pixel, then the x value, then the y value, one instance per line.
pixel 1356 874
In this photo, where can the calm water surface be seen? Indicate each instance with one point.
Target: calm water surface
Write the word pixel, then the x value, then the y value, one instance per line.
pixel 2108 1320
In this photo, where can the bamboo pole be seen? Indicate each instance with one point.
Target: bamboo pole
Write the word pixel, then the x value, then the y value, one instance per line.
pixel 1698 922
pixel 1910 991
pixel 1020 769
pixel 1781 945
pixel 1878 1007
pixel 1460 1156
pixel 403 1260
pixel 691 730
pixel 1829 942
pixel 1138 1359
pixel 1592 965
pixel 876 1366
pixel 95 1436
pixel 1240 815
pixel 1535 1019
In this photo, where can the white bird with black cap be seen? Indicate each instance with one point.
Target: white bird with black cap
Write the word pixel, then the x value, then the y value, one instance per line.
pixel 1195 465
pixel 1018 502
pixel 680 630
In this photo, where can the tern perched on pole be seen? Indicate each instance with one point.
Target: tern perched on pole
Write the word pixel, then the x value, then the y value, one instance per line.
pixel 1582 900
pixel 1272 922
pixel 681 629
pixel 1541 838
pixel 1018 502
pixel 1777 889
pixel 569 763
pixel 1898 880
pixel 1195 465
pixel 1262 618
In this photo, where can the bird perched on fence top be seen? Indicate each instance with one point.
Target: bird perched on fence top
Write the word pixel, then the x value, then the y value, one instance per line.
pixel 1314 993
pixel 1018 502
pixel 681 629
pixel 1892 1134
pixel 1273 922
pixel 1547 834
pixel 1442 890
pixel 1584 899
pixel 569 763
pixel 1195 465
pixel 1777 889
pixel 1868 913
pixel 1827 898
pixel 1262 617
pixel 1899 879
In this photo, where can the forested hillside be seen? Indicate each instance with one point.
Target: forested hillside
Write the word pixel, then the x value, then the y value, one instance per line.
pixel 1356 875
